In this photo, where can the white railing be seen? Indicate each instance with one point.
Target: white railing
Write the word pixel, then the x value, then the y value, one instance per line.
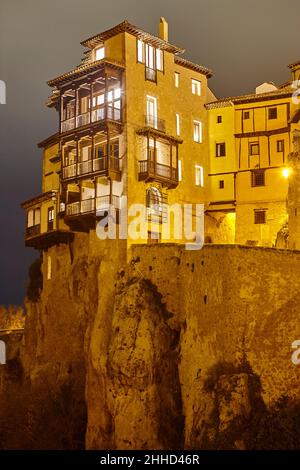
pixel 73 208
pixel 68 125
pixel 83 119
pixel 69 171
pixel 85 167
pixel 88 205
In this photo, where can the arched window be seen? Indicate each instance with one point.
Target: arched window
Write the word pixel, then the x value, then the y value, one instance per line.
pixel 154 202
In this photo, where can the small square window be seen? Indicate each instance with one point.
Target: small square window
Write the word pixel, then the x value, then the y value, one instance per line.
pixel 246 115
pixel 260 216
pixel 280 145
pixel 177 79
pixel 254 148
pixel 258 178
pixel 219 119
pixel 196 87
pixel 221 149
pixel 272 113
pixel 221 184
pixel 100 53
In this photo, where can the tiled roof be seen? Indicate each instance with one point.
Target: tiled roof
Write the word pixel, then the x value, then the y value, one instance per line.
pixel 83 69
pixel 276 94
pixel 291 66
pixel 190 65
pixel 126 27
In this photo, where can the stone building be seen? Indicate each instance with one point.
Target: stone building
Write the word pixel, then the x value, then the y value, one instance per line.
pixel 138 124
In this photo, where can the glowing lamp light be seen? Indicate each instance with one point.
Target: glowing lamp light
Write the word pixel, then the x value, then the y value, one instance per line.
pixel 286 172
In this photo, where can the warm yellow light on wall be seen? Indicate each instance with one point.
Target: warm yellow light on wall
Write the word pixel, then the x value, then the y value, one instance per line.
pixel 286 172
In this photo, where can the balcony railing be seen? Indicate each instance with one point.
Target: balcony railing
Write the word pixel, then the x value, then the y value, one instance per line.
pixel 93 205
pixel 68 124
pixel 32 231
pixel 96 165
pixel 151 74
pixel 152 170
pixel 96 115
pixel 155 122
pixel 83 119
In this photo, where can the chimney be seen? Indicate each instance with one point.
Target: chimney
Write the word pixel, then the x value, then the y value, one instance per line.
pixel 163 29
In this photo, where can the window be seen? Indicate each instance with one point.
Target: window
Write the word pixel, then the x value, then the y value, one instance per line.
pixel 34 217
pixel 179 170
pixel 177 79
pixel 159 60
pixel 196 87
pixel 254 148
pixel 219 119
pixel 50 218
pixel 246 115
pixel 221 184
pixel 280 145
pixel 140 51
pixel 272 113
pixel 258 178
pixel 177 124
pixel 260 216
pixel 154 204
pixel 221 149
pixel 100 53
pixel 198 131
pixel 151 111
pixel 199 176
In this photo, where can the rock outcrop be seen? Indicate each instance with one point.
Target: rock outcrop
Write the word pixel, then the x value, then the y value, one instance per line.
pixel 176 349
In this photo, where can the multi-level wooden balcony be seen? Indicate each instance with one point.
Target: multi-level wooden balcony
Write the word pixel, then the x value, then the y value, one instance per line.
pixel 91 101
pixel 161 162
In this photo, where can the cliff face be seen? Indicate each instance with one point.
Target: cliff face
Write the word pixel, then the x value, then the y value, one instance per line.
pixel 177 349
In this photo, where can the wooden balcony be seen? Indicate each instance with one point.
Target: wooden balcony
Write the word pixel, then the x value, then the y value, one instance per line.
pixel 33 231
pixel 92 206
pixel 104 166
pixel 153 171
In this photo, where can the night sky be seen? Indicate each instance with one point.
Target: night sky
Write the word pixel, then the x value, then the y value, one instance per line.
pixel 245 43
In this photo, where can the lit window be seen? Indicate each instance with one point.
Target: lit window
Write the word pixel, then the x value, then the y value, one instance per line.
pixel 140 51
pixel 199 176
pixel 159 60
pixel 196 87
pixel 177 79
pixel 221 149
pixel 179 170
pixel 177 124
pixel 100 53
pixel 260 216
pixel 254 148
pixel 272 113
pixel 198 131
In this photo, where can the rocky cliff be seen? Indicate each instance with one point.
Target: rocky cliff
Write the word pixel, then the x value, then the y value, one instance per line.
pixel 174 349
